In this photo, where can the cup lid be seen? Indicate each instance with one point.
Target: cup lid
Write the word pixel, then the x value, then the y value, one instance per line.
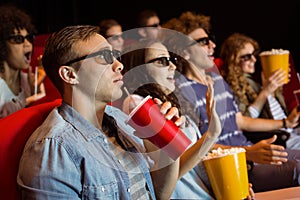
pixel 137 107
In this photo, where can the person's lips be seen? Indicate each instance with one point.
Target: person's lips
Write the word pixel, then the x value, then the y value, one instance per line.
pixel 27 57
pixel 119 80
pixel 171 78
pixel 211 55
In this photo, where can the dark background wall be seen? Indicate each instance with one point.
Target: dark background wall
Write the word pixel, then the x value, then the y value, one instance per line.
pixel 271 23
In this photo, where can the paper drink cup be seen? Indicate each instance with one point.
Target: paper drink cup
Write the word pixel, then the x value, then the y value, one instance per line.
pixel 151 124
pixel 228 175
pixel 273 60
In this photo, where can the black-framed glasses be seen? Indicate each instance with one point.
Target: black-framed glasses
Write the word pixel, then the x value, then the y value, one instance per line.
pixel 204 40
pixel 105 57
pixel 19 39
pixel 247 57
pixel 164 61
pixel 154 25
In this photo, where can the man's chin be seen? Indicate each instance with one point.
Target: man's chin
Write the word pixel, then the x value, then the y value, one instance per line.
pixel 116 95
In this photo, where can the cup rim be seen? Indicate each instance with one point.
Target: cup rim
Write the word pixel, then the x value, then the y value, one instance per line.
pixel 138 106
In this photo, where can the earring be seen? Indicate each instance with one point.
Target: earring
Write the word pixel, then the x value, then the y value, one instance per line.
pixel 74 81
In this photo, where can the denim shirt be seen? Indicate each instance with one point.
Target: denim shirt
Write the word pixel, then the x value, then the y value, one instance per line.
pixel 68 158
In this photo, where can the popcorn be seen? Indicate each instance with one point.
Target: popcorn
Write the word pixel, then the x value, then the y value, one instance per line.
pixel 215 153
pixel 227 172
pixel 274 51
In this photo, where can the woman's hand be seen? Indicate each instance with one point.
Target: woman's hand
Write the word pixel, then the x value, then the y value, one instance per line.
pixel 275 81
pixel 293 119
pixel 171 113
pixel 251 193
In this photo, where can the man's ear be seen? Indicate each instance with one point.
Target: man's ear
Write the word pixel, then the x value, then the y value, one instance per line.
pixel 68 74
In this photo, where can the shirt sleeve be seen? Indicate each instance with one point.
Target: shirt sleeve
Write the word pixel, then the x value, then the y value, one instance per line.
pixel 253 112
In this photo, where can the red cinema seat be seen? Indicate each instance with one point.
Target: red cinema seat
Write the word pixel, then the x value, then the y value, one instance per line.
pixel 288 89
pixel 15 129
pixel 38 50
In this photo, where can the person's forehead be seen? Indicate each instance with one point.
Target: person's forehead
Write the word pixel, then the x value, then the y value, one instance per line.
pixel 114 30
pixel 22 31
pixel 198 33
pixel 247 48
pixel 156 50
pixel 93 44
pixel 158 47
pixel 153 20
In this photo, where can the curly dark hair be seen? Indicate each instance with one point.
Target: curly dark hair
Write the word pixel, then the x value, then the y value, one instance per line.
pixel 189 21
pixel 186 23
pixel 12 18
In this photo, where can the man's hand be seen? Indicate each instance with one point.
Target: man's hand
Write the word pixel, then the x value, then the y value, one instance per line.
pixel 265 152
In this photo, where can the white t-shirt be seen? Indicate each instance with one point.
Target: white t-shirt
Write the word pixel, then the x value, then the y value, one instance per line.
pixel 9 102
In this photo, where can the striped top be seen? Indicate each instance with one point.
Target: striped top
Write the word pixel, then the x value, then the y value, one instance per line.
pixel 138 187
pixel 275 107
pixel 226 107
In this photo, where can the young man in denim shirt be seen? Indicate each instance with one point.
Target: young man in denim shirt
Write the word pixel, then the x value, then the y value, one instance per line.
pixel 79 152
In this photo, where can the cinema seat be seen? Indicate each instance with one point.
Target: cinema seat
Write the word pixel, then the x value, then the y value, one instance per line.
pixel 288 89
pixel 38 50
pixel 15 129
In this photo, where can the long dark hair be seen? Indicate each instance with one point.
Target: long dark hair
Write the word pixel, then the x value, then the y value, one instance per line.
pixel 136 78
pixel 141 83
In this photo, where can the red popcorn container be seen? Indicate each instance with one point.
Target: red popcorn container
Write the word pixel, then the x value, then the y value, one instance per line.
pixel 151 124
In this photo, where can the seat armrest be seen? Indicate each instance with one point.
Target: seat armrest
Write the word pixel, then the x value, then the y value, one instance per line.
pixel 282 136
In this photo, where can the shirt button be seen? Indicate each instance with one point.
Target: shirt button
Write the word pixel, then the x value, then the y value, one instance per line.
pixel 102 189
pixel 105 140
pixel 119 161
pixel 128 190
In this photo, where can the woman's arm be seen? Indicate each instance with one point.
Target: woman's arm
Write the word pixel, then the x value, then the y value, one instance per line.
pixel 269 87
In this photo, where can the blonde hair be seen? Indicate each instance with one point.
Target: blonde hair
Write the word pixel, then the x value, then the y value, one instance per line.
pixel 231 70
